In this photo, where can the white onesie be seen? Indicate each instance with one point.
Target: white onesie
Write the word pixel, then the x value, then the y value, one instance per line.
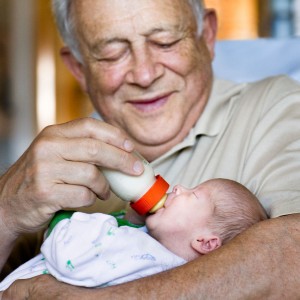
pixel 91 250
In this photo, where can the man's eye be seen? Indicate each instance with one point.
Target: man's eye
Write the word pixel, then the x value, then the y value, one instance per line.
pixel 108 59
pixel 112 58
pixel 167 45
pixel 111 55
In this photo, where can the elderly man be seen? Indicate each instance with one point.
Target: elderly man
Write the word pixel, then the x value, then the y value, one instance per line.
pixel 146 65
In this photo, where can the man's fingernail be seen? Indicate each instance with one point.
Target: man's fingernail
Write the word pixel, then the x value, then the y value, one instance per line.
pixel 128 145
pixel 138 167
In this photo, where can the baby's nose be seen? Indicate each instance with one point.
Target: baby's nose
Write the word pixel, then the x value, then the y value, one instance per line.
pixel 177 189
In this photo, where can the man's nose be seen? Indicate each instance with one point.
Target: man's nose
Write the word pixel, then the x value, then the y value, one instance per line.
pixel 144 69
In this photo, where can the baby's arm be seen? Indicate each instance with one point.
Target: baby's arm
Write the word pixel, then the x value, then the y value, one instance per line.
pixel 133 217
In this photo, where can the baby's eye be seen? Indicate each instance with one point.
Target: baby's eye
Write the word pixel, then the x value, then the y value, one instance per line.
pixel 195 195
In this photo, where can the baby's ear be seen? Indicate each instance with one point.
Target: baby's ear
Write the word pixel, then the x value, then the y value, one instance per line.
pixel 205 244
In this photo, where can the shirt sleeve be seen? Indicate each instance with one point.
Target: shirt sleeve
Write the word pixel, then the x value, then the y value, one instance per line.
pixel 272 166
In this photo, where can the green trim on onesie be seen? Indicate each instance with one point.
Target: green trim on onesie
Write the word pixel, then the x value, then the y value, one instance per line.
pixel 119 215
pixel 67 214
pixel 60 215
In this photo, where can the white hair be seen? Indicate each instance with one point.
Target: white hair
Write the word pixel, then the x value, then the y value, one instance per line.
pixel 66 24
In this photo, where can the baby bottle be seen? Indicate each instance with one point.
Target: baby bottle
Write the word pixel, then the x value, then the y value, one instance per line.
pixel 146 192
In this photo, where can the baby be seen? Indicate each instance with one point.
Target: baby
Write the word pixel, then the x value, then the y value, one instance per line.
pixel 92 250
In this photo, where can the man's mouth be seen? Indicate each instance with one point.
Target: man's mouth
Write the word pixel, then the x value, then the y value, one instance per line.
pixel 150 104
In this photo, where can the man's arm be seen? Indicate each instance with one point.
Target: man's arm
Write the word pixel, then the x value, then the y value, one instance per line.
pixel 7 243
pixel 261 263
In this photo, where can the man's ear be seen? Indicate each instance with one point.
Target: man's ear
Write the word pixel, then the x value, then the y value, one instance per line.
pixel 74 66
pixel 205 244
pixel 210 28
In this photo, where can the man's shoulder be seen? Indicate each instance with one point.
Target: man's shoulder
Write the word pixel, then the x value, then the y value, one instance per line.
pixel 281 84
pixel 271 91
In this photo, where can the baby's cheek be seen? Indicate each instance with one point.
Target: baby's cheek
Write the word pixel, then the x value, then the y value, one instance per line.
pixel 152 222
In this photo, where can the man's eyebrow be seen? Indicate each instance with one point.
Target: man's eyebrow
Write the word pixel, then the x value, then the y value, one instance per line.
pixel 157 30
pixel 169 28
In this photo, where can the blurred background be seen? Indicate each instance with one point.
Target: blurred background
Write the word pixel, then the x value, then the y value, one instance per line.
pixel 36 90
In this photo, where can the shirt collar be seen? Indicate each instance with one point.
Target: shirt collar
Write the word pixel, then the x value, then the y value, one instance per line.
pixel 213 118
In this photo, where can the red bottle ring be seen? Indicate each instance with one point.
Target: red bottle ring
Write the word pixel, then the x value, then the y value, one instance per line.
pixel 153 196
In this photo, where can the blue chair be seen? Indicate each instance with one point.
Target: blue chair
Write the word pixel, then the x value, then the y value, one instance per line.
pixel 250 60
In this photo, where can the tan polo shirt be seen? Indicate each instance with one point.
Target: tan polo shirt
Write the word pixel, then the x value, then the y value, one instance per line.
pixel 249 133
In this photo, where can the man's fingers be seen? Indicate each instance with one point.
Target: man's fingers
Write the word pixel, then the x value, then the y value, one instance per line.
pixel 83 176
pixel 41 287
pixel 98 153
pixel 16 291
pixel 74 196
pixel 91 128
pixel 95 142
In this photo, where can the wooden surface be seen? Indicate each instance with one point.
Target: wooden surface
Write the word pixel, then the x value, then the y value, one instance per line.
pixel 238 19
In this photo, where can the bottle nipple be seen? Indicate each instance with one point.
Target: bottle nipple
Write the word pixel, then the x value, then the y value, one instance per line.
pixel 158 205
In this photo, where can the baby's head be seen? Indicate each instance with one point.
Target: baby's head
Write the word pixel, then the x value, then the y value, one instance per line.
pixel 196 221
pixel 236 208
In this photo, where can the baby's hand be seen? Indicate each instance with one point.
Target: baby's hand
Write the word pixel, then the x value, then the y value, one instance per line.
pixel 133 217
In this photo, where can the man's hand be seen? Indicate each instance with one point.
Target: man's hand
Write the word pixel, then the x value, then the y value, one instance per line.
pixel 42 287
pixel 59 170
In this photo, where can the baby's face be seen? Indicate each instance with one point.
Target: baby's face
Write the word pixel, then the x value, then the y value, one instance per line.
pixel 184 211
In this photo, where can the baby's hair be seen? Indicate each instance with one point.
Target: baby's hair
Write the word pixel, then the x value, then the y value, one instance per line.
pixel 235 208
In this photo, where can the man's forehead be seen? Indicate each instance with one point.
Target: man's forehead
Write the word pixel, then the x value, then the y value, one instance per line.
pixel 106 22
pixel 111 11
